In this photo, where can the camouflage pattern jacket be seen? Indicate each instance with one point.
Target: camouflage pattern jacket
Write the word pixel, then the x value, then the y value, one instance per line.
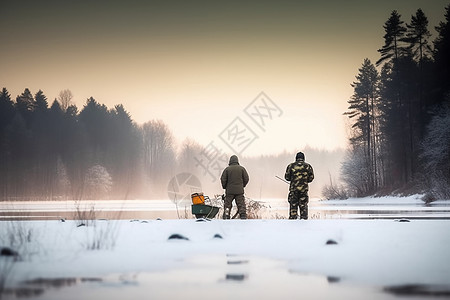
pixel 299 173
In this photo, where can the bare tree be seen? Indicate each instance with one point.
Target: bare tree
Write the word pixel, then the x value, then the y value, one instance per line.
pixel 158 155
pixel 186 157
pixel 158 147
pixel 65 98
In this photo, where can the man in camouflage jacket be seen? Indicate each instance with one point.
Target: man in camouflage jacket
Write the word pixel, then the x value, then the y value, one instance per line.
pixel 299 173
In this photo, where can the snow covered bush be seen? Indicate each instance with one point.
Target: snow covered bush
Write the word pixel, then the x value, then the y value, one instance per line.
pixel 436 156
pixel 62 182
pixel 334 191
pixel 98 182
pixel 354 172
pixel 255 208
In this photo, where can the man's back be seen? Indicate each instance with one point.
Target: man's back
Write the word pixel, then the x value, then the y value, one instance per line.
pixel 299 173
pixel 234 178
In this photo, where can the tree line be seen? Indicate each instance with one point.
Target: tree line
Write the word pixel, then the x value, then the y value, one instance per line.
pixel 56 151
pixel 400 113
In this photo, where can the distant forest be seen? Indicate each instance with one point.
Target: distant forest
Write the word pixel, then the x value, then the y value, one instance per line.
pixel 399 143
pixel 400 113
pixel 54 151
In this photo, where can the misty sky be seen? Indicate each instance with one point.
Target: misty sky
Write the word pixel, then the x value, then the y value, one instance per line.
pixel 197 65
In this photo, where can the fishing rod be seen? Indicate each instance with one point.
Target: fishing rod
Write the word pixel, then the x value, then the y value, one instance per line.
pixel 282 179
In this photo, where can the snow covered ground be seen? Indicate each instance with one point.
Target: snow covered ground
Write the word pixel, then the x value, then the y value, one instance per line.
pixel 233 259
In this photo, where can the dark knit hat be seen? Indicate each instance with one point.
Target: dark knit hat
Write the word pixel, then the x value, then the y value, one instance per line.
pixel 300 155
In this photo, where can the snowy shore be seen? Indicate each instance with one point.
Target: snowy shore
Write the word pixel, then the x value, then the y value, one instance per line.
pixel 268 259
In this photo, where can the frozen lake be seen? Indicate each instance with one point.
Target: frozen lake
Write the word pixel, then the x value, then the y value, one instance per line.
pixel 371 248
pixel 366 208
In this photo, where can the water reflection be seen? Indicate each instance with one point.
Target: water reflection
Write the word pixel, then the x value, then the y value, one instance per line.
pixel 271 284
pixel 419 290
pixel 229 276
pixel 166 209
pixel 333 279
pixel 237 262
pixel 235 277
pixel 38 286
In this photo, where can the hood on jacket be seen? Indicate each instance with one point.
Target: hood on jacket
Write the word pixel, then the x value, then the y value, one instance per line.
pixel 300 155
pixel 234 160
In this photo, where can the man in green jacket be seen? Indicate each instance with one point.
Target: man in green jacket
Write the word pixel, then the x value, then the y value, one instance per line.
pixel 299 173
pixel 234 178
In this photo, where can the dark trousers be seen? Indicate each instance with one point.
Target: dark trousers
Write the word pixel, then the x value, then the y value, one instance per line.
pixel 298 200
pixel 240 202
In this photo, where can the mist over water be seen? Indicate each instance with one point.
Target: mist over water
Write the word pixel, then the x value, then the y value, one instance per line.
pixel 101 153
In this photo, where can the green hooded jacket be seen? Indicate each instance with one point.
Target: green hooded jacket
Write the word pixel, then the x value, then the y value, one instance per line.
pixel 234 178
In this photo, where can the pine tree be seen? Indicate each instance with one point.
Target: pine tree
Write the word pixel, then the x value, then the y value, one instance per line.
pixel 442 58
pixel 42 147
pixel 6 109
pixel 25 106
pixel 7 113
pixel 41 103
pixel 403 91
pixel 417 35
pixel 362 109
pixel 395 30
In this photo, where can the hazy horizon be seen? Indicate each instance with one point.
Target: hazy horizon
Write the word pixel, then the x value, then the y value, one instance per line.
pixel 197 66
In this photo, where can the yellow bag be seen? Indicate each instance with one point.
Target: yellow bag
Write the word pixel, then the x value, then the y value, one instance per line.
pixel 198 198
